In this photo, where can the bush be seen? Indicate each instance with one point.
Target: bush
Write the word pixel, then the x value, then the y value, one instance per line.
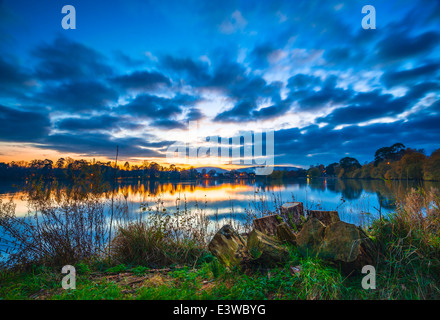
pixel 152 245
pixel 60 229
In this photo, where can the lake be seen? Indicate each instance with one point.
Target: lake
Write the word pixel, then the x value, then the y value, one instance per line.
pixel 357 201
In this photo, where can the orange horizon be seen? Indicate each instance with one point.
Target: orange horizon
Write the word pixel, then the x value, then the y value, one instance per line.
pixel 121 161
pixel 27 152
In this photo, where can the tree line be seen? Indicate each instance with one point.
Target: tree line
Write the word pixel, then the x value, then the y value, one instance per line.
pixel 97 171
pixel 393 163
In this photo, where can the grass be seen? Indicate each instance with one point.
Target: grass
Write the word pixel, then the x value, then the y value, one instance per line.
pixel 300 278
pixel 155 246
pixel 209 280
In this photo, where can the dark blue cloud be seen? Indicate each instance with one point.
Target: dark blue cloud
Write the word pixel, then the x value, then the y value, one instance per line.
pixel 67 60
pixel 141 80
pixel 238 113
pixel 195 73
pixel 408 77
pixel 229 77
pixel 22 126
pixel 367 106
pixel 195 114
pixel 151 107
pixel 272 111
pixel 15 81
pixel 301 81
pixel 401 46
pixel 104 122
pixel 303 91
pixel 326 145
pixel 79 96
pixel 11 74
pixel 97 144
pixel 128 61
pixel 169 124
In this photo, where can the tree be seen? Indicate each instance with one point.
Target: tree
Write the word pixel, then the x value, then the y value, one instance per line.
pixel 366 170
pixel 145 165
pixel 192 173
pixel 60 163
pixel 349 164
pixel 330 170
pixel 154 170
pixel 393 153
pixel 314 172
pixel 431 167
pixel 412 163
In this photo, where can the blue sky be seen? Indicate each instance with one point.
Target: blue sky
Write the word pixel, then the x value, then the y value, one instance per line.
pixel 134 73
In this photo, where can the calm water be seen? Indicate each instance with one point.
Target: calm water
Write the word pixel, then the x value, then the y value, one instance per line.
pixel 358 201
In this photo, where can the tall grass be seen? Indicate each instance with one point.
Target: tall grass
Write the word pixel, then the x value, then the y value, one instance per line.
pixel 61 227
pixel 410 244
pixel 72 225
pixel 162 238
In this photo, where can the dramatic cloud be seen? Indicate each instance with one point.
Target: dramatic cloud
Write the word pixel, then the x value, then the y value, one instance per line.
pixel 306 68
pixel 104 122
pixel 96 144
pixel 68 60
pixel 401 46
pixel 22 126
pixel 310 99
pixel 79 96
pixel 195 73
pixel 141 80
pixel 410 76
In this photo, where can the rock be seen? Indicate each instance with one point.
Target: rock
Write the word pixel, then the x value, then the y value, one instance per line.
pixel 268 224
pixel 340 242
pixel 228 246
pixel 326 217
pixel 293 214
pixel 266 250
pixel 285 233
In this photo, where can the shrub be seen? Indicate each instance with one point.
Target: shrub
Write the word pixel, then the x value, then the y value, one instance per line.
pixel 60 230
pixel 153 245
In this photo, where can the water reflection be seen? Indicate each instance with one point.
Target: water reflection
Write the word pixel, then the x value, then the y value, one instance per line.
pixel 358 201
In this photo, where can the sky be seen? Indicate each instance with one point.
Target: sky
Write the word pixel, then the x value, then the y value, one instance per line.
pixel 136 74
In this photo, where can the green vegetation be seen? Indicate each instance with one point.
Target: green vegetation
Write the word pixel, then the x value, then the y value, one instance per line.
pixel 394 163
pixel 300 278
pixel 391 163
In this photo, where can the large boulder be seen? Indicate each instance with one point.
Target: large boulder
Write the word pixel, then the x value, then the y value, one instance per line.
pixel 228 246
pixel 265 249
pixel 340 242
pixel 326 217
pixel 293 214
